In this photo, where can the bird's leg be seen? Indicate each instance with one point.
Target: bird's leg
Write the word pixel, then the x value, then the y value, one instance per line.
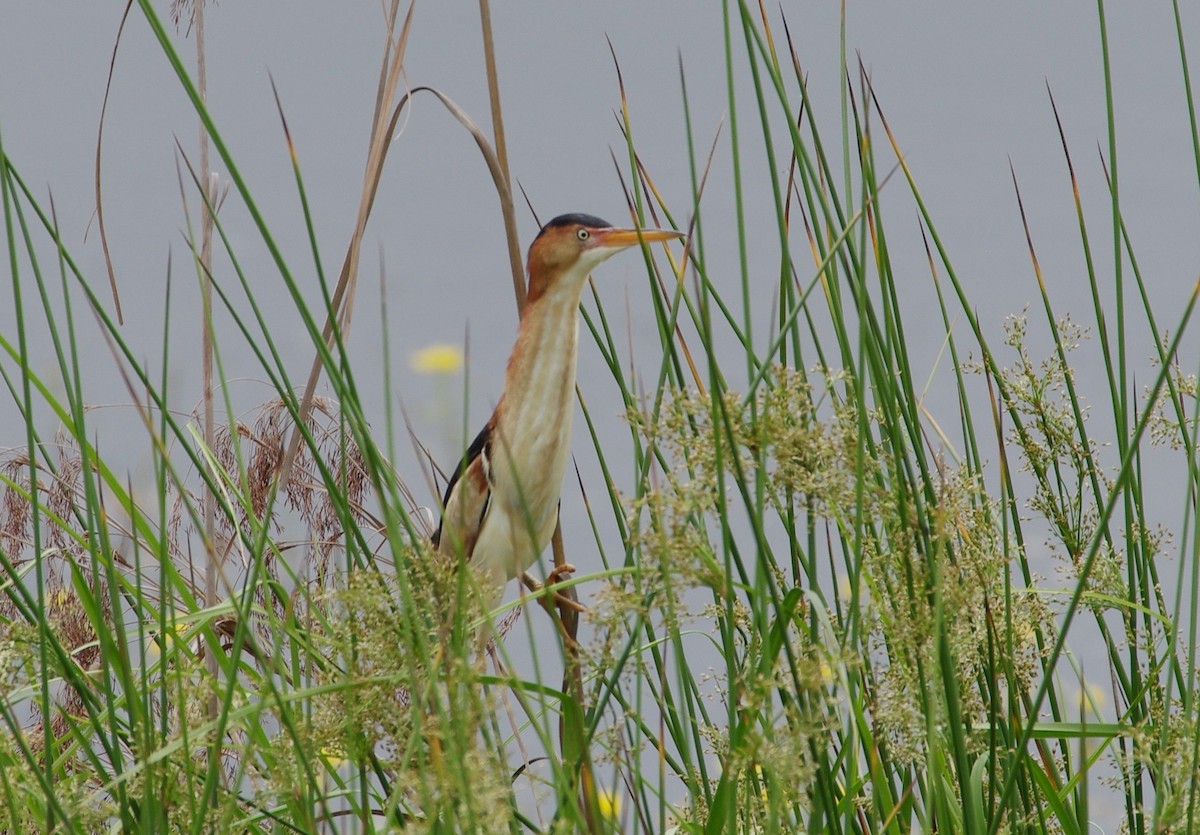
pixel 566 615
pixel 556 575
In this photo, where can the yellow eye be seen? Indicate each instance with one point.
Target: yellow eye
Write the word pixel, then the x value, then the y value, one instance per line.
pixel 583 234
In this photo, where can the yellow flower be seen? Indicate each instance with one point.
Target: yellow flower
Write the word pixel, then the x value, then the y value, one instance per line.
pixel 1095 697
pixel 845 590
pixel 334 758
pixel 438 358
pixel 609 804
pixel 166 643
pixel 762 784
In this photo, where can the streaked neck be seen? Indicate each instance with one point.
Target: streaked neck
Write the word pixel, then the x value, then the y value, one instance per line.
pixel 541 371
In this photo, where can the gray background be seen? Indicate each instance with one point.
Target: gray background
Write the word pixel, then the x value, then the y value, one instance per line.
pixel 963 86
pixel 964 89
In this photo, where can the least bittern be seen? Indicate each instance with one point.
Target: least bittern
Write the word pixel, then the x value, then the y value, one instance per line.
pixel 501 505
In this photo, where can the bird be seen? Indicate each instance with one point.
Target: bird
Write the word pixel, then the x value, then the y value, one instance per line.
pixel 500 507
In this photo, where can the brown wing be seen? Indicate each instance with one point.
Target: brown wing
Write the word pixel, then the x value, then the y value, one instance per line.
pixel 467 497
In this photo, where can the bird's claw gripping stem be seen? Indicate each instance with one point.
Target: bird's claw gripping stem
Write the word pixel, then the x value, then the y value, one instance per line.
pixel 556 575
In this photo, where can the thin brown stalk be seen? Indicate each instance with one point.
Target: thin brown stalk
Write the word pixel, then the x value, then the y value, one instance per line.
pixel 567 601
pixel 213 559
pixel 342 300
pixel 112 63
pixel 506 206
pixel 677 267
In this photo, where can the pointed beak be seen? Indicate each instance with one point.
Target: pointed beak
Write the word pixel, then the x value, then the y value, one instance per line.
pixel 630 237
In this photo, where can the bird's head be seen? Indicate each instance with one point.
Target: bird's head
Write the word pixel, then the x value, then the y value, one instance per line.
pixel 569 247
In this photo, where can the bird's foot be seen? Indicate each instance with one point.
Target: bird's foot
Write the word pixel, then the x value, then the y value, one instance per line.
pixel 556 575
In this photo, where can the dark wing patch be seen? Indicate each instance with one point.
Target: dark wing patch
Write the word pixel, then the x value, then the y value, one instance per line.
pixel 469 487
